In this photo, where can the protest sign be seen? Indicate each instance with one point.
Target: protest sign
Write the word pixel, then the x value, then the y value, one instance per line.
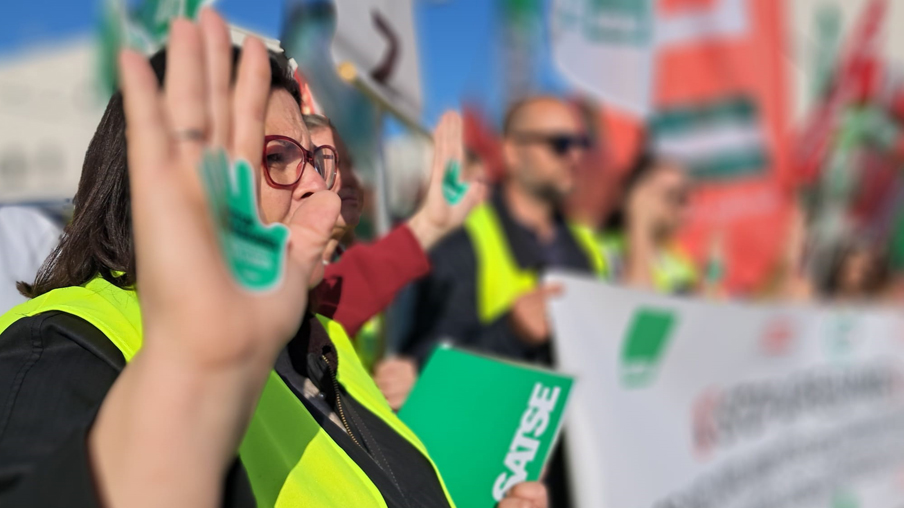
pixel 685 403
pixel 488 424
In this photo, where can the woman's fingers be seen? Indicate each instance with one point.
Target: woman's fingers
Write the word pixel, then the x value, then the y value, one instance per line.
pixel 527 494
pixel 454 140
pixel 150 156
pixel 311 226
pixel 252 90
pixel 449 145
pixel 218 58
pixel 310 229
pixel 446 145
pixel 185 91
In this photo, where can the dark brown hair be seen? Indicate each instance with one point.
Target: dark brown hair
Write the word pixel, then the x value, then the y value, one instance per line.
pixel 643 165
pixel 98 241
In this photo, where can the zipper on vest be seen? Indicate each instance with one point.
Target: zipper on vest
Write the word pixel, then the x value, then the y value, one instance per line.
pixel 339 402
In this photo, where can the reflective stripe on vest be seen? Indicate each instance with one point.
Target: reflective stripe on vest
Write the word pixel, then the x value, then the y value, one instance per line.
pixel 672 272
pixel 586 239
pixel 500 281
pixel 369 342
pixel 290 460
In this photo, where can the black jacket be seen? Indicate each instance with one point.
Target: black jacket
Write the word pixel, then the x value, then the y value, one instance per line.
pixel 446 301
pixel 56 369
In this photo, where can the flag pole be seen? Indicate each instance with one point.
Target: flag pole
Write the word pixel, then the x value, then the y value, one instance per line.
pixel 350 75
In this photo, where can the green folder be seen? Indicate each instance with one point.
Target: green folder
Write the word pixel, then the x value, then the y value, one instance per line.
pixel 487 423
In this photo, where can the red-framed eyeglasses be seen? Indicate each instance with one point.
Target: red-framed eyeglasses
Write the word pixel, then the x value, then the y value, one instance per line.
pixel 285 161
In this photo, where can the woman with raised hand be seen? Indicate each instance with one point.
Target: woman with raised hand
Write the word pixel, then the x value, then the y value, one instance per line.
pixel 140 369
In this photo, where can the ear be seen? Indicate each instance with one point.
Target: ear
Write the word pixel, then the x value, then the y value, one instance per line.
pixel 510 155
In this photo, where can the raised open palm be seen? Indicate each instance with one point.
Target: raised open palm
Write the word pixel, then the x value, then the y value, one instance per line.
pixel 437 216
pixel 189 299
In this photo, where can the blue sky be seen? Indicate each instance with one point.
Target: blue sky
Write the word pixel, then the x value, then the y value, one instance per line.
pixel 457 40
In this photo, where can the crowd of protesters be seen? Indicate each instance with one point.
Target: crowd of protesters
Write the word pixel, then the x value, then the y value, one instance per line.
pixel 76 395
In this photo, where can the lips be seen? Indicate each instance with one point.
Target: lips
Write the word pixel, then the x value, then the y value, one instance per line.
pixel 348 197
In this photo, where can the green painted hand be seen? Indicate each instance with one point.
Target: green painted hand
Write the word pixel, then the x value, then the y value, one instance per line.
pixel 254 252
pixel 454 188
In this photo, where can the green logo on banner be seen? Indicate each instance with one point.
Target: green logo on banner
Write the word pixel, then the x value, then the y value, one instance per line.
pixel 646 340
pixel 844 499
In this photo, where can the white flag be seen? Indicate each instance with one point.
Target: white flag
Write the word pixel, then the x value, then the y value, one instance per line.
pixel 378 38
pixel 605 48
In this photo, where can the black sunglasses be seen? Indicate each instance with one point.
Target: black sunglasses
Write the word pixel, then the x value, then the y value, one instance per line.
pixel 560 144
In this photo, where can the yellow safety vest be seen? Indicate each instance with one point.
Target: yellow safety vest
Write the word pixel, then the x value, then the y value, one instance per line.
pixel 290 460
pixel 369 342
pixel 672 272
pixel 500 281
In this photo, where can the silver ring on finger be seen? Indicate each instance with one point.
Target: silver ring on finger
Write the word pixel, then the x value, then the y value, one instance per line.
pixel 194 135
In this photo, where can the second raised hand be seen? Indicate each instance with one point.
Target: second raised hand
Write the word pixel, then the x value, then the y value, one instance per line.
pixel 438 215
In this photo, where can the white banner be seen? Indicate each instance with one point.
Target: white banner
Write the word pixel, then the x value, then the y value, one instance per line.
pixel 685 403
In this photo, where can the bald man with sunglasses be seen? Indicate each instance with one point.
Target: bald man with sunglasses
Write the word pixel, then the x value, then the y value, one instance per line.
pixel 484 291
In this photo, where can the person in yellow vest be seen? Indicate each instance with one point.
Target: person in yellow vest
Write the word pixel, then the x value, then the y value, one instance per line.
pixel 639 239
pixel 484 291
pixel 140 370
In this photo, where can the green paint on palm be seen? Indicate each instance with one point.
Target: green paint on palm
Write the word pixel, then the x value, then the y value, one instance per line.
pixel 254 252
pixel 454 188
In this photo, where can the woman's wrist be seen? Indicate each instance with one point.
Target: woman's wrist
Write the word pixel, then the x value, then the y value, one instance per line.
pixel 426 233
pixel 184 419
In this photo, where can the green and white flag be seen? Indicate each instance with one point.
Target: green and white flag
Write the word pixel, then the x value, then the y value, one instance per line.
pixel 719 140
pixel 610 48
pixel 144 28
pixel 605 47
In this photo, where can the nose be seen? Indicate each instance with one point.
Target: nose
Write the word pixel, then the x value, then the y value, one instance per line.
pixel 310 182
pixel 576 154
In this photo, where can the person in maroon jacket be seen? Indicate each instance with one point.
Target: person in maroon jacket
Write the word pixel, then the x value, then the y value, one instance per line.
pixel 366 277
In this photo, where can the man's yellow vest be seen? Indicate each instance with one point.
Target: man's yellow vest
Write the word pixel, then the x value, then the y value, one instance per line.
pixel 290 460
pixel 500 281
